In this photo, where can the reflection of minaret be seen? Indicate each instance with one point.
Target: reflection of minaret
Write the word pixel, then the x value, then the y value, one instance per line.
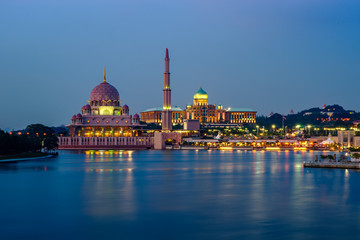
pixel 166 113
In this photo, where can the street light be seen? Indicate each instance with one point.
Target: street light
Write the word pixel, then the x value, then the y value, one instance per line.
pixel 309 128
pixel 257 129
pixel 273 127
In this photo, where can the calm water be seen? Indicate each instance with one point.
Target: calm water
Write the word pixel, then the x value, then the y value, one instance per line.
pixel 178 195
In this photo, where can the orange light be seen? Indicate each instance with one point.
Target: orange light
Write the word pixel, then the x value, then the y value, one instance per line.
pixel 272 148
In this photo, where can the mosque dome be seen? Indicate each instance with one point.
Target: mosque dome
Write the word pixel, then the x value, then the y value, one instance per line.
pixel 73 117
pixel 78 115
pixel 136 116
pixel 104 91
pixel 86 107
pixel 125 107
pixel 201 94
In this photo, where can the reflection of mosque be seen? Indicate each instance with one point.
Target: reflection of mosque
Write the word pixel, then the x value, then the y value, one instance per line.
pixel 113 179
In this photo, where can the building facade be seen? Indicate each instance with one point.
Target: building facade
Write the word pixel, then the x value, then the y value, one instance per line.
pixel 204 112
pixel 153 115
pixel 104 116
pixel 240 115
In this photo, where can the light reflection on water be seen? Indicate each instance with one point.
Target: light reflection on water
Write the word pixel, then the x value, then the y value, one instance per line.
pixel 178 195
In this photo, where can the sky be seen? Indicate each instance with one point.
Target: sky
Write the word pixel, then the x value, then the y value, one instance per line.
pixel 271 56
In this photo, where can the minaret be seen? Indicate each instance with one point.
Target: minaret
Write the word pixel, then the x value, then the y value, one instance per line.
pixel 166 113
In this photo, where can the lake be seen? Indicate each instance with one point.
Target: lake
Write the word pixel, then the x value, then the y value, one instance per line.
pixel 177 195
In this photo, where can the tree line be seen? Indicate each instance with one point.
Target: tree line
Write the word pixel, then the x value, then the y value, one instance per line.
pixel 35 138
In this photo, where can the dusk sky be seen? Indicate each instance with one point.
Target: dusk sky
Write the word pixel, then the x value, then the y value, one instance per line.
pixel 272 56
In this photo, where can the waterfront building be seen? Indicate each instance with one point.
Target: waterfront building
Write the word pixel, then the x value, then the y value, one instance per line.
pixel 240 115
pixel 201 109
pixel 153 115
pixel 208 113
pixel 204 112
pixel 104 116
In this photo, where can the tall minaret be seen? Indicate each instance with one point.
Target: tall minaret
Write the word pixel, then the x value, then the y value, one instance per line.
pixel 166 113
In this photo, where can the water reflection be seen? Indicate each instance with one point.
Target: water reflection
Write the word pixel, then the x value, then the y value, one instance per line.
pixel 108 155
pixel 13 167
pixel 197 194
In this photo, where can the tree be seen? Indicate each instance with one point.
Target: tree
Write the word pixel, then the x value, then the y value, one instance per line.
pixel 44 134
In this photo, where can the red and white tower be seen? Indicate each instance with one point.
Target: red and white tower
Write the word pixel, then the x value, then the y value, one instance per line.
pixel 166 113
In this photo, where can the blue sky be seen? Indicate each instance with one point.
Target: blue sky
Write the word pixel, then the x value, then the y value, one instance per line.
pixel 271 56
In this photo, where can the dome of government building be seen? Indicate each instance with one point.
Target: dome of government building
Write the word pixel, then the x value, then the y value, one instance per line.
pixel 201 94
pixel 104 91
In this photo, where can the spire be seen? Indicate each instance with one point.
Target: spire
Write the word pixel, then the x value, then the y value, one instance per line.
pixel 104 75
pixel 167 54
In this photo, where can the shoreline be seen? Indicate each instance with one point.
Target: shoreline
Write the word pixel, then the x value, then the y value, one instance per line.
pixel 205 149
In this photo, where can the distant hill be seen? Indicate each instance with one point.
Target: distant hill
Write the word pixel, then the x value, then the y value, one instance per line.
pixel 328 116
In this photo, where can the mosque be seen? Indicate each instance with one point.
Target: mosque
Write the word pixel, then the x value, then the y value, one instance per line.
pixel 104 124
pixel 104 116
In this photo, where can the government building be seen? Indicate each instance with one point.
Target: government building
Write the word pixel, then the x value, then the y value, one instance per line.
pixel 204 112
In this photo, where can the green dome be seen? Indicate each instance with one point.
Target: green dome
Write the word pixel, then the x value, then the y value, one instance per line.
pixel 201 94
pixel 201 91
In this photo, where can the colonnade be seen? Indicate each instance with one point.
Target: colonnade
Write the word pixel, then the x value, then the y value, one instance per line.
pixel 78 142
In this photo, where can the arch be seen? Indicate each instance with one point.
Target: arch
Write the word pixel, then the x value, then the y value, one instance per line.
pixel 170 141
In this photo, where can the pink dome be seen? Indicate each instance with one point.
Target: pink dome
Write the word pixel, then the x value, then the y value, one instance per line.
pixel 79 115
pixel 86 107
pixel 136 116
pixel 104 91
pixel 125 107
pixel 73 117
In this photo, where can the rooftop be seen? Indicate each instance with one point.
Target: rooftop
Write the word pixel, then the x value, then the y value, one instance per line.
pixel 201 91
pixel 240 110
pixel 176 108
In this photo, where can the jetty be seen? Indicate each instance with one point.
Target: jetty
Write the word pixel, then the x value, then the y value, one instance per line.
pixel 330 161
pixel 343 165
